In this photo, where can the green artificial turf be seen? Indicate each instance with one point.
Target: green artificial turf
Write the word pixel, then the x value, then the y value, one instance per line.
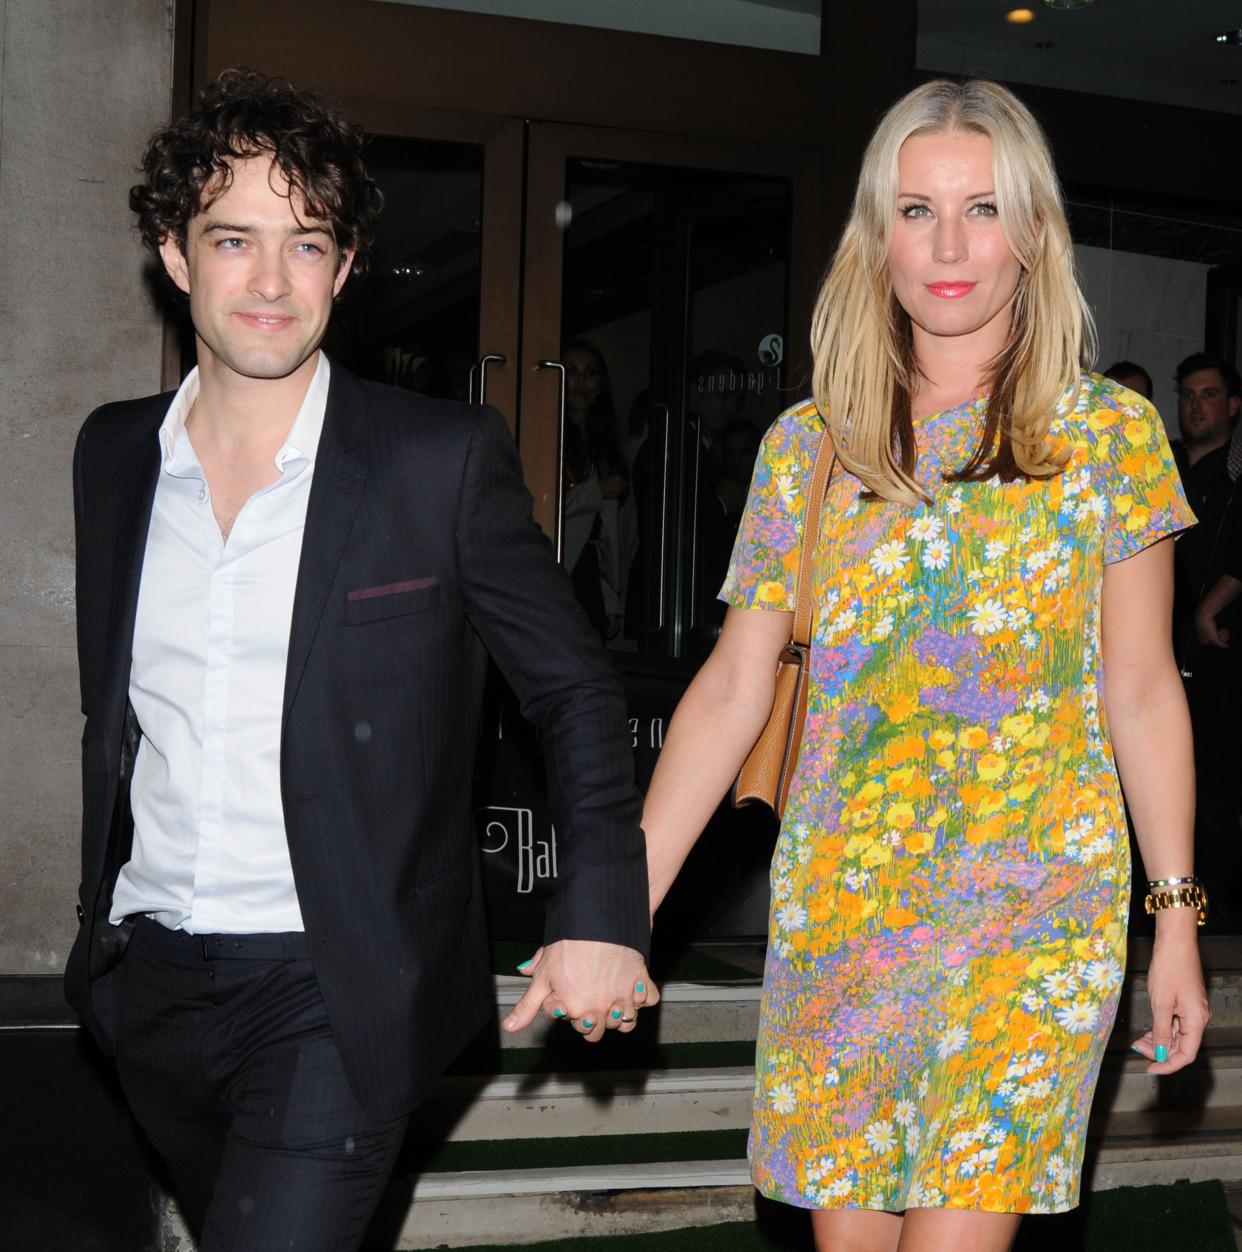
pixel 479 1154
pixel 1157 1219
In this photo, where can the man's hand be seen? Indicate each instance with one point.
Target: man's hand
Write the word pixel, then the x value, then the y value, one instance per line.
pixel 594 986
pixel 1209 633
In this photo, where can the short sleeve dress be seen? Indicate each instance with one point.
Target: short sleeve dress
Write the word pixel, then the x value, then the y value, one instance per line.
pixel 951 882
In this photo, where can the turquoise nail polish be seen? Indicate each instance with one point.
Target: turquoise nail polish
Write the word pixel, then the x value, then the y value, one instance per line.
pixel 1135 1048
pixel 640 987
pixel 1162 1053
pixel 526 962
pixel 558 1012
pixel 587 1024
pixel 616 1014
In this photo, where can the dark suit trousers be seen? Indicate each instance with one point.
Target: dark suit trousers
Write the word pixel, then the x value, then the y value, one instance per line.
pixel 230 1067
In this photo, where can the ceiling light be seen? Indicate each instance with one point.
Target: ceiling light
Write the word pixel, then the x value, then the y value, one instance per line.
pixel 1233 37
pixel 1020 17
pixel 1069 4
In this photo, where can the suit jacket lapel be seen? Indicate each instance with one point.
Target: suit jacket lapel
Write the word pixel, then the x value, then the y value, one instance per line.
pixel 135 479
pixel 340 473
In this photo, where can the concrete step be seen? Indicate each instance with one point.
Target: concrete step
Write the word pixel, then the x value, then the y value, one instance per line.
pixel 535 1106
pixel 1213 1081
pixel 1155 1146
pixel 564 1105
pixel 466 1210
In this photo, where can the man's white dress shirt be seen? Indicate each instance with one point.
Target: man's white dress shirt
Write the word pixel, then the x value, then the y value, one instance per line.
pixel 211 642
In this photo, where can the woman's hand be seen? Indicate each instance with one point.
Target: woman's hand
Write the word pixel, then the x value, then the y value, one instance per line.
pixel 1179 1005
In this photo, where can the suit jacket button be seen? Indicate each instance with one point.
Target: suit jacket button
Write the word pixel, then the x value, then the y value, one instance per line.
pixel 81 915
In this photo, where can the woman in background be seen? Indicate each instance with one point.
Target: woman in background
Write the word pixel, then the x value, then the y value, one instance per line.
pixel 595 487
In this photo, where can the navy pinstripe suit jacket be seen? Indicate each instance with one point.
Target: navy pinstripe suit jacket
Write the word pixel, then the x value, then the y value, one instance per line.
pixel 419 559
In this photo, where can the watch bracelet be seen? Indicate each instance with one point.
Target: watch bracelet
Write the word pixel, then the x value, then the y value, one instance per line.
pixel 1181 897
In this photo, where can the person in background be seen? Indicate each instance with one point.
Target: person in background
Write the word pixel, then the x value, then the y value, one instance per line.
pixel 1131 376
pixel 1209 393
pixel 1208 620
pixel 716 399
pixel 596 487
pixel 739 446
pixel 993 582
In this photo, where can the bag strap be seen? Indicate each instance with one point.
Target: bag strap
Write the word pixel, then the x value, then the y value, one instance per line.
pixel 804 589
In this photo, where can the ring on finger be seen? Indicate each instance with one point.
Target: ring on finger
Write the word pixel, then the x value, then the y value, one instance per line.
pixel 633 1017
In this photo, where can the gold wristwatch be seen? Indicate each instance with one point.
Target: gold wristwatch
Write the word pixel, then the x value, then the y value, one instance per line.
pixel 1177 893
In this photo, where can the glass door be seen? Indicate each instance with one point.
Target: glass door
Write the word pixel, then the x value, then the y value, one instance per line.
pixel 664 280
pixel 438 310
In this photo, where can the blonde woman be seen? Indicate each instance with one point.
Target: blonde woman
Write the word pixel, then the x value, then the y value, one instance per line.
pixel 993 580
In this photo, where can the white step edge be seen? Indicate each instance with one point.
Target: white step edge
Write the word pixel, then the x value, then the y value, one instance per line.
pixel 594 1085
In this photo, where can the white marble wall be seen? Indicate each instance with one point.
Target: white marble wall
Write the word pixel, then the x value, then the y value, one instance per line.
pixel 82 84
pixel 1147 309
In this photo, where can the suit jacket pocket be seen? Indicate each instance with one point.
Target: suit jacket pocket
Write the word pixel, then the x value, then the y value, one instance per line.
pixel 399 599
pixel 440 896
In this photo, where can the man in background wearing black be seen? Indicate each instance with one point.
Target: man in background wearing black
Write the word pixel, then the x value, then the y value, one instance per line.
pixel 1205 618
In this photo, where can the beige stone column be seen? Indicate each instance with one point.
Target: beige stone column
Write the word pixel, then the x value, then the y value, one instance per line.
pixel 82 85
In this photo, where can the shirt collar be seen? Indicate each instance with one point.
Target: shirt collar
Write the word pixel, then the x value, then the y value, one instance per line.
pixel 301 443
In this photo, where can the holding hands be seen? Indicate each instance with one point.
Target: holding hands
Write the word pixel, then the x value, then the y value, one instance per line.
pixel 594 986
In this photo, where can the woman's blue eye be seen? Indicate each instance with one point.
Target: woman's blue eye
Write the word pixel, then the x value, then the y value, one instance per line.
pixel 986 208
pixel 914 210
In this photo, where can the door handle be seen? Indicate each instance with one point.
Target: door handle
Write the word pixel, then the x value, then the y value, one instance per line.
pixel 478 375
pixel 696 429
pixel 668 434
pixel 497 358
pixel 560 452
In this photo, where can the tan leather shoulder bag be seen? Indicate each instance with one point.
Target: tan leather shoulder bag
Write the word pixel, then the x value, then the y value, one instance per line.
pixel 767 772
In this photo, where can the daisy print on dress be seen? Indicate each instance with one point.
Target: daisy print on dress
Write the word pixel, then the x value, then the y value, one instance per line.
pixel 950 886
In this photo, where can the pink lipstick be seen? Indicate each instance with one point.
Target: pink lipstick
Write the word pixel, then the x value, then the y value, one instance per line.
pixel 950 291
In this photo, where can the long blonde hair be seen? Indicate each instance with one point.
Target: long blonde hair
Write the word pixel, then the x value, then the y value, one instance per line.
pixel 865 370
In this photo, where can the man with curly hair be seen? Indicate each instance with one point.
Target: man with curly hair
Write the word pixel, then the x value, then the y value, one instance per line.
pixel 288 584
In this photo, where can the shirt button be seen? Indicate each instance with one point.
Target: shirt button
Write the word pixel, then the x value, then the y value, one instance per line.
pixel 202 493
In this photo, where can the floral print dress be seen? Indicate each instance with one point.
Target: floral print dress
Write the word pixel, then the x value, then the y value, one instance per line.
pixel 950 887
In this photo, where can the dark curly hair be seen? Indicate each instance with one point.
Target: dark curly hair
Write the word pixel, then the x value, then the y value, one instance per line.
pixel 245 114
